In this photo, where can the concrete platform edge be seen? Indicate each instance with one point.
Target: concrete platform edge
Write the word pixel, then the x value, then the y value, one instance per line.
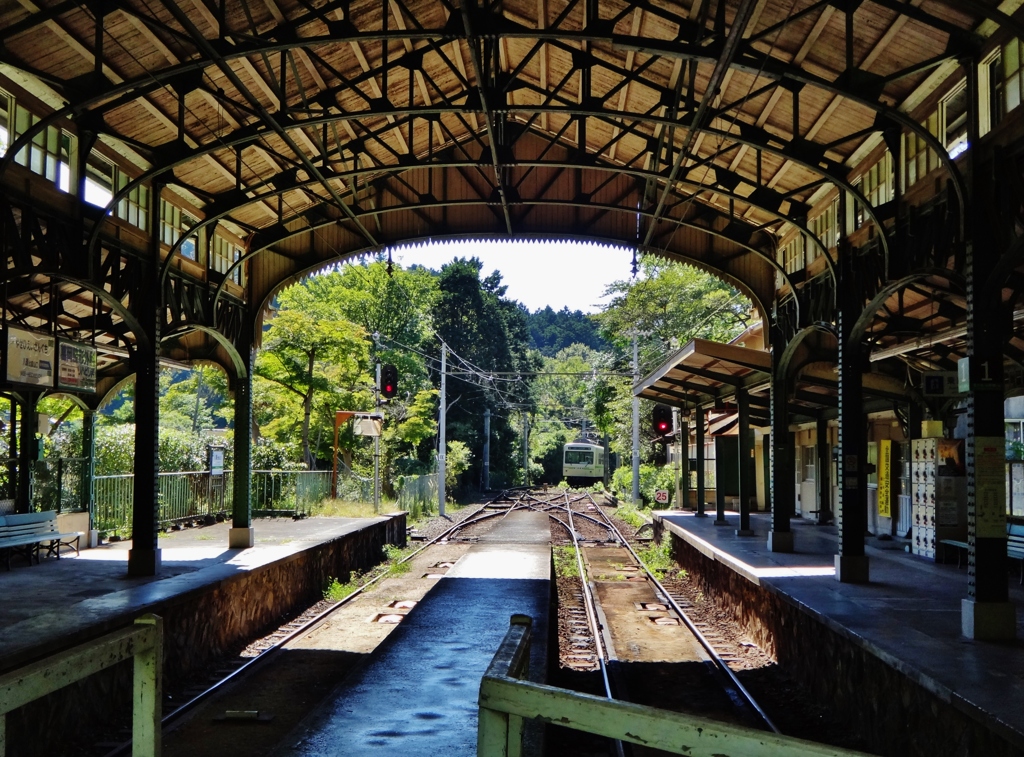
pixel 938 689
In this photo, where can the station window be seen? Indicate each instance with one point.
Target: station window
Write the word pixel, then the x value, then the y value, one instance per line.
pixel 919 158
pixel 50 151
pixel 826 226
pixel 5 110
pixel 135 207
pixel 791 256
pixel 1009 83
pixel 175 223
pixel 99 181
pixel 808 463
pixel 223 254
pixel 876 184
pixel 953 112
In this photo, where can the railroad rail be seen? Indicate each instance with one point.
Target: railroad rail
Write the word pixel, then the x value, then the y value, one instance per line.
pixel 573 511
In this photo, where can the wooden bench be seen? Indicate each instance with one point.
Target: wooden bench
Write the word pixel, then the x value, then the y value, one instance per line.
pixel 27 534
pixel 1014 546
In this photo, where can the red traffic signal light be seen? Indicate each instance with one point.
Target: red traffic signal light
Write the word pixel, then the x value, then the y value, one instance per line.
pixel 661 416
pixel 388 381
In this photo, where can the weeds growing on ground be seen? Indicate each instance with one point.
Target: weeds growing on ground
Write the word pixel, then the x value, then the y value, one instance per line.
pixel 630 515
pixel 393 555
pixel 565 562
pixel 335 591
pixel 658 559
pixel 340 508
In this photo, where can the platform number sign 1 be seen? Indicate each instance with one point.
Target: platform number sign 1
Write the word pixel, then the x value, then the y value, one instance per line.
pixel 661 496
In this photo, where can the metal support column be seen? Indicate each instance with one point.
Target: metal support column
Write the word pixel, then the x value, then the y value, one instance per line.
pixel 144 556
pixel 698 417
pixel 242 534
pixel 12 453
pixel 851 511
pixel 746 472
pixel 88 492
pixel 28 451
pixel 442 445
pixel 986 613
pixel 782 484
pixel 636 428
pixel 824 473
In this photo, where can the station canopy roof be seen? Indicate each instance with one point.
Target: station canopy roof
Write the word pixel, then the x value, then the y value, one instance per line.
pixel 706 372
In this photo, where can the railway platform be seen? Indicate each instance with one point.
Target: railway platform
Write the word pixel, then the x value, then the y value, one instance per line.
pixel 897 637
pixel 421 684
pixel 58 604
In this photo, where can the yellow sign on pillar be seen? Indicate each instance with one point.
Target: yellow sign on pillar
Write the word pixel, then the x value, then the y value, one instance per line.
pixel 885 478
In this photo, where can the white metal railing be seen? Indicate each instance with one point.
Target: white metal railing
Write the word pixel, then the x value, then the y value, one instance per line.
pixel 506 701
pixel 142 642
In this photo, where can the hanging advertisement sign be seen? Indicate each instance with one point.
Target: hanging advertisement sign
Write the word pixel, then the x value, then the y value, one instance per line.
pixel 29 357
pixel 885 478
pixel 76 366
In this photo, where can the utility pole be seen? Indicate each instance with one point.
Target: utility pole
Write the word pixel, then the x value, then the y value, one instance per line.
pixel 526 448
pixel 487 448
pixel 677 432
pixel 636 425
pixel 442 445
pixel 376 447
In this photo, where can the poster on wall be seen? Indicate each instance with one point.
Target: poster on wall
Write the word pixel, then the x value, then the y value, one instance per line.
pixel 990 486
pixel 885 478
pixel 76 366
pixel 29 357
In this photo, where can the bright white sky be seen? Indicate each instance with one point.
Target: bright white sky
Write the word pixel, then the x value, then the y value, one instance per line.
pixel 559 274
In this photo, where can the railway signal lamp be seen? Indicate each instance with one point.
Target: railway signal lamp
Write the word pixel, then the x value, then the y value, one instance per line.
pixel 388 381
pixel 661 416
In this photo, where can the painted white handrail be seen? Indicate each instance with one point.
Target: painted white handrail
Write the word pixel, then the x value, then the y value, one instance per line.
pixel 142 642
pixel 506 702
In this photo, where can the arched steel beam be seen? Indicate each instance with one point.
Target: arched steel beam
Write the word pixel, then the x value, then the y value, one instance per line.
pixel 285 233
pixel 222 208
pixel 115 305
pixel 237 363
pixel 869 312
pixel 835 172
pixel 733 280
pixel 788 364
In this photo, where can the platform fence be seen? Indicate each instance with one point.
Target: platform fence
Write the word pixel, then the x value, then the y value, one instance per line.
pixel 289 492
pixel 195 495
pixel 417 494
pixel 507 701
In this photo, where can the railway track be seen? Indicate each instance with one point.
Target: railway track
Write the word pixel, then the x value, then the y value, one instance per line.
pixel 577 521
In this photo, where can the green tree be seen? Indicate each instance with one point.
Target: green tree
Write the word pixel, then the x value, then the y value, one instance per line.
pixel 320 361
pixel 667 306
pixel 490 338
pixel 554 330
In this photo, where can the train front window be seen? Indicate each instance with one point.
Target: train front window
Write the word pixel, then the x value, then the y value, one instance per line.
pixel 579 457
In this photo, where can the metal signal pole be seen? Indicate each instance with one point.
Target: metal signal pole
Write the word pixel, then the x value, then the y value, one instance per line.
pixel 442 445
pixel 487 449
pixel 636 426
pixel 376 447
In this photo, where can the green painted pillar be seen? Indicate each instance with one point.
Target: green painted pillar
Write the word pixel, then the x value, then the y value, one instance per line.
pixel 28 452
pixel 144 556
pixel 242 535
pixel 698 417
pixel 88 487
pixel 745 467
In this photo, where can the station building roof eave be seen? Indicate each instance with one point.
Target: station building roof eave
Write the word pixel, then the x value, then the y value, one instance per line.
pixel 704 371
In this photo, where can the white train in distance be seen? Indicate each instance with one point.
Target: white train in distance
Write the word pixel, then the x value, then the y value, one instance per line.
pixel 582 463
